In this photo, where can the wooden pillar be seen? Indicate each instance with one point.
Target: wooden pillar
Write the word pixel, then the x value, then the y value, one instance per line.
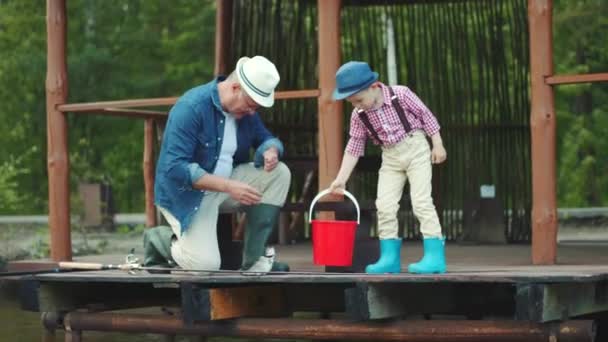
pixel 331 121
pixel 148 169
pixel 223 35
pixel 543 130
pixel 58 163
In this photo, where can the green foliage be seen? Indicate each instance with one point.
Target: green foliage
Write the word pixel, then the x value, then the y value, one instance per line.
pixel 136 48
pixel 12 198
pixel 582 110
pixel 583 162
pixel 126 229
pixel 22 113
pixel 116 50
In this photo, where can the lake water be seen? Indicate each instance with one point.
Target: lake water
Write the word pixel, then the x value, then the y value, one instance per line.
pixel 21 326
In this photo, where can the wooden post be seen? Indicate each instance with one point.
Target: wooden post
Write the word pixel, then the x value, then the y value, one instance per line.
pixel 543 130
pixel 331 121
pixel 223 39
pixel 223 35
pixel 58 163
pixel 148 169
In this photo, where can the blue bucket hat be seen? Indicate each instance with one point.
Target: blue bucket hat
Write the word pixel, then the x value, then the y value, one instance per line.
pixel 352 77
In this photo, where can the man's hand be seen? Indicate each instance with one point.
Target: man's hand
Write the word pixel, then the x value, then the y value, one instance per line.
pixel 438 154
pixel 271 159
pixel 243 193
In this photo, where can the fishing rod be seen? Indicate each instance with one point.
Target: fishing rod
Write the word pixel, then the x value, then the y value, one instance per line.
pixel 135 268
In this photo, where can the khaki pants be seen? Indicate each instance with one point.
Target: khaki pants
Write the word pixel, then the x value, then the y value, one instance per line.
pixel 410 160
pixel 197 247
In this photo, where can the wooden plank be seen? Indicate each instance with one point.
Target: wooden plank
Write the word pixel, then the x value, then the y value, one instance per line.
pixel 491 274
pixel 297 94
pixel 205 304
pixel 104 296
pixel 122 107
pixel 552 302
pixel 258 301
pixel 379 301
pixel 96 106
pixel 571 79
pixel 528 302
pixel 332 329
pixel 23 266
pixel 131 113
pixel 316 297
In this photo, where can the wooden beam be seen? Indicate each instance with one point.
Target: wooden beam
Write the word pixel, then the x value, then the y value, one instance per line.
pixel 97 296
pixel 121 107
pixel 136 113
pixel 205 304
pixel 330 111
pixel 571 79
pixel 223 35
pixel 58 163
pixel 97 106
pixel 148 171
pixel 543 132
pixel 316 297
pixel 297 94
pixel 330 117
pixel 552 302
pixel 333 329
pixel 127 113
pixel 392 300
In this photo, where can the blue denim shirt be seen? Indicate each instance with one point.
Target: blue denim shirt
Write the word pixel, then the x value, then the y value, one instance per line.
pixel 191 146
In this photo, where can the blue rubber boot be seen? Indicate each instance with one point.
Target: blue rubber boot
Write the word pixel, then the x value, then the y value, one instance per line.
pixel 390 258
pixel 433 260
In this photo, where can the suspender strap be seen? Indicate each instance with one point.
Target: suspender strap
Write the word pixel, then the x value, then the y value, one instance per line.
pixel 400 113
pixel 370 128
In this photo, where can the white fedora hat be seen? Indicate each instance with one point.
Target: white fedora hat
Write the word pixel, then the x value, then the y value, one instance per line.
pixel 258 76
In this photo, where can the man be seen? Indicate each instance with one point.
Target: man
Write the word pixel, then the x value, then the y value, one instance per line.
pixel 204 167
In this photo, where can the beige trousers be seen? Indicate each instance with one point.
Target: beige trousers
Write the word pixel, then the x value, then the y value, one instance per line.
pixel 197 247
pixel 410 160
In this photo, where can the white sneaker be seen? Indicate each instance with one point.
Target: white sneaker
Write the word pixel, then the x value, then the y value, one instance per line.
pixel 264 263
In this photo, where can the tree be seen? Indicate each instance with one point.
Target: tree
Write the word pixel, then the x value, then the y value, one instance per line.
pixel 116 50
pixel 579 30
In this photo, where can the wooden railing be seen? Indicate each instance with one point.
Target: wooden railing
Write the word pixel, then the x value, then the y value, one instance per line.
pixel 152 118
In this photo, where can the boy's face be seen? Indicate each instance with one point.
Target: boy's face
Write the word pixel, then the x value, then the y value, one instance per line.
pixel 370 98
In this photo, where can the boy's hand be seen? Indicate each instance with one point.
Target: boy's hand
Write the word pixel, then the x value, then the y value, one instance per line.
pixel 438 154
pixel 271 159
pixel 337 187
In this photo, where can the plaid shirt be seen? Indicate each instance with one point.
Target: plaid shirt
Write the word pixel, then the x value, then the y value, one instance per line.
pixel 386 123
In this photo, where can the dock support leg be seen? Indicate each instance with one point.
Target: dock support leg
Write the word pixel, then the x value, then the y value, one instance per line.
pixel 48 335
pixel 73 335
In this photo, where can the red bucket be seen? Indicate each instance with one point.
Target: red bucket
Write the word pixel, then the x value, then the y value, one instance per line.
pixel 333 241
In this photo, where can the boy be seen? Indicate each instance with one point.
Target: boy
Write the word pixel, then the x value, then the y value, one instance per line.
pixel 396 119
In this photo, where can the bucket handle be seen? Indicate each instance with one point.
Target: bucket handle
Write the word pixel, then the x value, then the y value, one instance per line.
pixel 327 191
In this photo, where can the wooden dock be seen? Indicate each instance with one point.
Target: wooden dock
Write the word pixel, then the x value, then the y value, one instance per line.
pixel 500 301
